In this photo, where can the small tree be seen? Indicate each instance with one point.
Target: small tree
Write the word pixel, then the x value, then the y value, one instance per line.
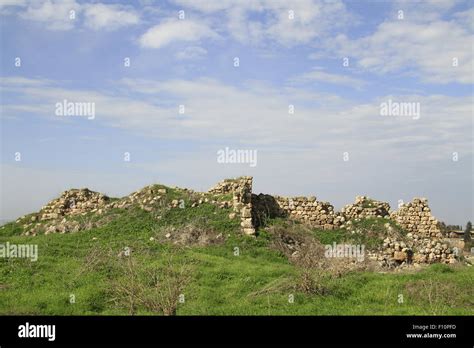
pixel 467 236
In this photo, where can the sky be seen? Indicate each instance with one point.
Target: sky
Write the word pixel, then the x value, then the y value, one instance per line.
pixel 301 84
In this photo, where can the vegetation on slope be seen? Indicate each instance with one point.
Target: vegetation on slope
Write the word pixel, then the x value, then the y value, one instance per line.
pixel 194 261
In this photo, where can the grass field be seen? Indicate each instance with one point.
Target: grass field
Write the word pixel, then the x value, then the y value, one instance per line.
pixel 128 266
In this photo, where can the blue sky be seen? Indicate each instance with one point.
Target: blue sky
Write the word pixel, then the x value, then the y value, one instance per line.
pixel 283 61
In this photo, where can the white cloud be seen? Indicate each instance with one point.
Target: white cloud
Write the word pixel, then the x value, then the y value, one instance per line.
pixel 426 49
pixel 465 18
pixel 317 75
pixel 56 15
pixel 15 81
pixel 172 30
pixel 5 3
pixel 191 53
pixel 67 14
pixel 423 11
pixel 255 21
pixel 258 115
pixel 109 17
pixel 311 20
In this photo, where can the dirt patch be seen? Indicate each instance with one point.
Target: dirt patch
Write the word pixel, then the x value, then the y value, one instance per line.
pixel 306 252
pixel 190 235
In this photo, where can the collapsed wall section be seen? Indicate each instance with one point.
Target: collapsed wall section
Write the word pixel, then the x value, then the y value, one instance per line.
pixel 365 207
pixel 73 202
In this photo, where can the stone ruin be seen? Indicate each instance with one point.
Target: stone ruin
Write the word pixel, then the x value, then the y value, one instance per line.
pixel 311 211
pixel 365 207
pixel 241 190
pixel 73 202
pixel 424 242
pixel 416 218
pixel 413 250
pixel 145 198
pixel 316 213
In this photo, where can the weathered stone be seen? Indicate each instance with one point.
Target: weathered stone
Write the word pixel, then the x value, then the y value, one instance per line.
pixel 249 231
pixel 399 256
pixel 246 223
pixel 246 212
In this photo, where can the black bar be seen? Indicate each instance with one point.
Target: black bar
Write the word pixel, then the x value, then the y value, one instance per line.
pixel 328 330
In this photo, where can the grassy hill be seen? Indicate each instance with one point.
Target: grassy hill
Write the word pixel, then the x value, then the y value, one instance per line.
pixel 195 261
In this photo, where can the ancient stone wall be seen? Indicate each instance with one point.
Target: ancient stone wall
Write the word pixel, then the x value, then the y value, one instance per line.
pixel 311 211
pixel 423 243
pixel 416 218
pixel 254 209
pixel 232 185
pixel 316 213
pixel 241 189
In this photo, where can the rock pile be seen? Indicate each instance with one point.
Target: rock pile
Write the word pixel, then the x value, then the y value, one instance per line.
pixel 52 217
pixel 146 198
pixel 73 202
pixel 365 207
pixel 431 250
pixel 396 252
pixel 415 217
pixel 399 250
pixel 229 185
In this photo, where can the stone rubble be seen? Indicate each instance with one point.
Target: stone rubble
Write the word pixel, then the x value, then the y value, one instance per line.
pixel 424 242
pixel 365 207
pixel 73 202
pixel 413 250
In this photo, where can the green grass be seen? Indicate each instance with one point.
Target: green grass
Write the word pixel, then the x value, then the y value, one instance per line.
pixel 368 203
pixel 86 264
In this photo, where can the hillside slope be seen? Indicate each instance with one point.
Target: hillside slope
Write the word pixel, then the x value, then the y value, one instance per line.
pixel 166 251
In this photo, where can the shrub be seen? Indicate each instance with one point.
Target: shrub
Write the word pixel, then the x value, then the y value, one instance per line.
pixel 152 288
pixel 467 236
